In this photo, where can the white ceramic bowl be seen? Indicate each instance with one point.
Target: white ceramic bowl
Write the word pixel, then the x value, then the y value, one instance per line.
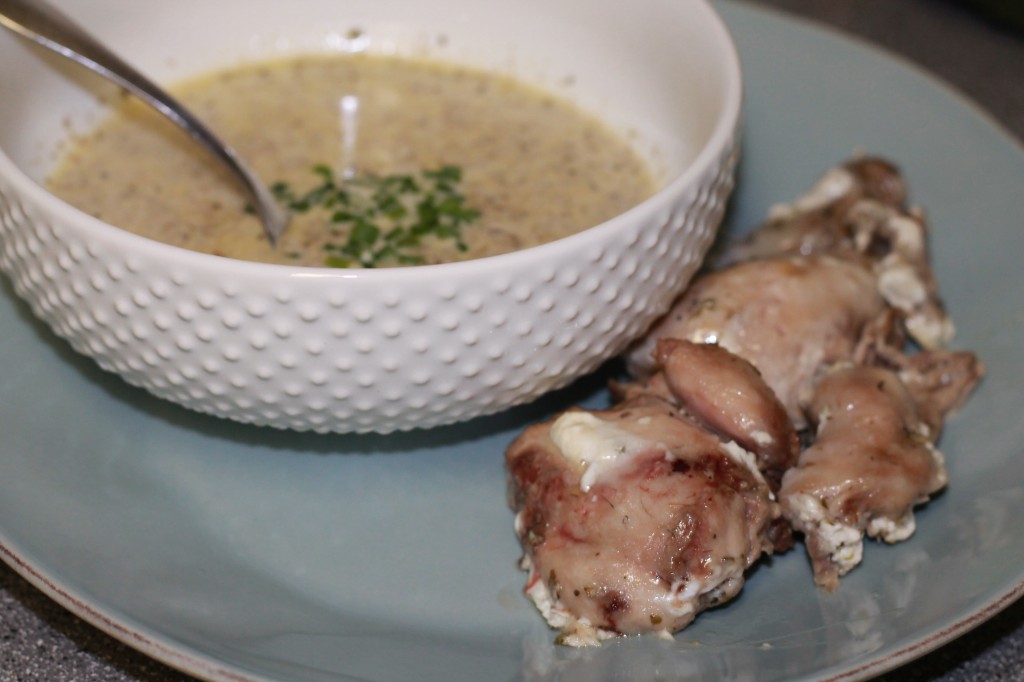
pixel 377 350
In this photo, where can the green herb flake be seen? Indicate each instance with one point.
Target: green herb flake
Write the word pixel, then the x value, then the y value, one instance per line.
pixel 383 219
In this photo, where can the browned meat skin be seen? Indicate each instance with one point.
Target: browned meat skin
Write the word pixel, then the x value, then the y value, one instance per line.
pixel 858 209
pixel 667 532
pixel 897 243
pixel 879 179
pixel 939 381
pixel 726 394
pixel 871 462
pixel 815 222
pixel 791 317
pixel 883 334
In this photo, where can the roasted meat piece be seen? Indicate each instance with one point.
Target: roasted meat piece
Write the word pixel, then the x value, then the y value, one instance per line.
pixel 939 380
pixel 634 519
pixel 872 461
pixel 727 395
pixel 797 295
pixel 858 209
pixel 791 317
pixel 815 222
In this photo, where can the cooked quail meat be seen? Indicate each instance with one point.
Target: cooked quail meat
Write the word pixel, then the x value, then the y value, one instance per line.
pixel 815 222
pixel 939 380
pixel 791 317
pixel 859 209
pixel 727 395
pixel 871 462
pixel 634 519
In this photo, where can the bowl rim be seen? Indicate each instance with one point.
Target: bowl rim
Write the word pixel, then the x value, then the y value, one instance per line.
pixel 721 139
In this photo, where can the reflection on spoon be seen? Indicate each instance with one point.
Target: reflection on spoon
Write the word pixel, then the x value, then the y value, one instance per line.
pixel 48 27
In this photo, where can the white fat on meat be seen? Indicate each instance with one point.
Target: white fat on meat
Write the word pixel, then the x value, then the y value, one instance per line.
pixel 596 445
pixel 836 183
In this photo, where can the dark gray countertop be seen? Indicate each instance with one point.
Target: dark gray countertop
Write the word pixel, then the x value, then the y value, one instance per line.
pixel 984 60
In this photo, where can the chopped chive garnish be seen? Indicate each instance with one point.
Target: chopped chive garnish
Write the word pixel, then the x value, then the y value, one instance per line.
pixel 383 219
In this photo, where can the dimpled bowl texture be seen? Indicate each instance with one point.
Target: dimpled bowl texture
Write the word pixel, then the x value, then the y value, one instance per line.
pixel 390 349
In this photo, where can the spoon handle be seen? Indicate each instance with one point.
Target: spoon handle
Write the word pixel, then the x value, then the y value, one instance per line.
pixel 47 26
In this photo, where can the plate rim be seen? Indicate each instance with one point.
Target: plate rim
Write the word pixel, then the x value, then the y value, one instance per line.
pixel 181 657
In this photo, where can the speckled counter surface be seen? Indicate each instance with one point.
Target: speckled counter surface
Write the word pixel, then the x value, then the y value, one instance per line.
pixel 984 60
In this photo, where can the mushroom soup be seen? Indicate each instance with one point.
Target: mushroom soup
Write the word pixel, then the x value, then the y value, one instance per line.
pixel 384 161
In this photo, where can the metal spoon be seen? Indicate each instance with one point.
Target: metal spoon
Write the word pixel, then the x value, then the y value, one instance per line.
pixel 49 27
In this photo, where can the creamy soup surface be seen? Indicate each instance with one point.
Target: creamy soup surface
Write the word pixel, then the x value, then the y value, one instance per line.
pixel 533 166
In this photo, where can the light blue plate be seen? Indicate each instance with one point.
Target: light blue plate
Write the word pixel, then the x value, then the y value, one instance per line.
pixel 236 553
